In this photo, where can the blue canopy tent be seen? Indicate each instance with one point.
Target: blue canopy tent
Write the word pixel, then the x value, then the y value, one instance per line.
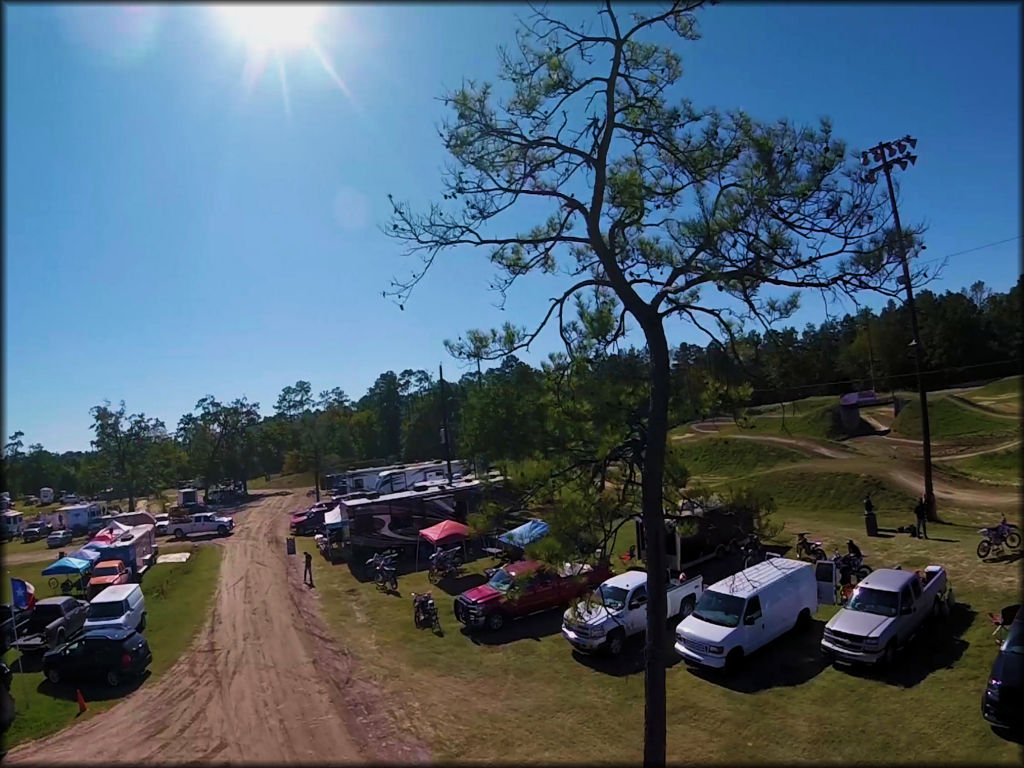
pixel 86 553
pixel 525 534
pixel 68 566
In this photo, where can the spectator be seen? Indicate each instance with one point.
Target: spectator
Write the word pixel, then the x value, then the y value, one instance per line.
pixel 921 513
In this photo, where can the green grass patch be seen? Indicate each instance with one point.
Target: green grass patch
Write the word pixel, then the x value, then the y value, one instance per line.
pixel 816 422
pixel 1008 386
pixel 949 420
pixel 298 480
pixel 1004 467
pixel 178 598
pixel 731 457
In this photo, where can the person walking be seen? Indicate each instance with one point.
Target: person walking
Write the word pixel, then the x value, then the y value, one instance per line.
pixel 307 572
pixel 921 513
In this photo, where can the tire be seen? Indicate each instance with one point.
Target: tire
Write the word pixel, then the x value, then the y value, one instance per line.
pixel 1013 540
pixel 819 554
pixel 142 624
pixel 803 620
pixel 113 678
pixel 53 676
pixel 495 621
pixel 393 583
pixel 733 660
pixel 179 534
pixel 222 530
pixel 60 636
pixel 687 606
pixel 434 576
pixel 720 551
pixel 616 642
pixel 984 548
pixel 863 572
pixel 889 656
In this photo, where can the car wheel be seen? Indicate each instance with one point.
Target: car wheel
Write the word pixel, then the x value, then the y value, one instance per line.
pixel 179 534
pixel 60 636
pixel 113 678
pixel 53 676
pixel 142 623
pixel 889 657
pixel 616 640
pixel 222 530
pixel 688 604
pixel 733 660
pixel 495 621
pixel 803 620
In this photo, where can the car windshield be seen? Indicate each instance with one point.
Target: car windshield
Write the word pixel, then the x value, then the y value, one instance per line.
pixel 719 608
pixel 106 570
pixel 612 598
pixel 106 610
pixel 867 600
pixel 502 581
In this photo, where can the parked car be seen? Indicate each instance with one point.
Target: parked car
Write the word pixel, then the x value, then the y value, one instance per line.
pixel 523 588
pixel 162 521
pixel 306 523
pixel 884 612
pixel 108 654
pixel 106 573
pixel 35 531
pixel 59 539
pixel 618 610
pixel 205 522
pixel 69 498
pixel 121 605
pixel 1002 704
pixel 53 620
pixel 746 611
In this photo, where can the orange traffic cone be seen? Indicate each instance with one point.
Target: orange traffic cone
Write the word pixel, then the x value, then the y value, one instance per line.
pixel 81 701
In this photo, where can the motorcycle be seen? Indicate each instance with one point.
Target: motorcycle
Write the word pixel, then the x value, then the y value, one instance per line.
pixel 996 537
pixel 850 565
pixel 812 549
pixel 424 611
pixel 751 550
pixel 384 575
pixel 445 563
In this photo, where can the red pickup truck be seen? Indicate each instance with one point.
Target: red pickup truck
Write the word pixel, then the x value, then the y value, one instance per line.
pixel 523 588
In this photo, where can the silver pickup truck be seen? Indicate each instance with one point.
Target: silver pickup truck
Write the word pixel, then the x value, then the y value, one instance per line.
pixel 884 612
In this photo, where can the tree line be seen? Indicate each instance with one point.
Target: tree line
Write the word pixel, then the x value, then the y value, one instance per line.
pixel 515 411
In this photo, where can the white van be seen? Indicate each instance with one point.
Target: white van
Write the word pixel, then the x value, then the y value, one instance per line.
pixel 746 611
pixel 121 606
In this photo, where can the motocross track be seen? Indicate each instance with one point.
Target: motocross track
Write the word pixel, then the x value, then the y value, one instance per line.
pixel 262 683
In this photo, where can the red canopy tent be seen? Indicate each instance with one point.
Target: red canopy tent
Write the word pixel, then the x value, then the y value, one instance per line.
pixel 443 533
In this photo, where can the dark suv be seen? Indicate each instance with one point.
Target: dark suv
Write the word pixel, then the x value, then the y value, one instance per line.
pixel 109 654
pixel 1002 704
pixel 36 531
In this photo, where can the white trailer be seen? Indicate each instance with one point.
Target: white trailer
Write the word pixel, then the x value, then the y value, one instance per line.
pixel 77 517
pixel 46 495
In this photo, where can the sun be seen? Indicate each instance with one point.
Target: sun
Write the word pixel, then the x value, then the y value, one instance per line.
pixel 264 28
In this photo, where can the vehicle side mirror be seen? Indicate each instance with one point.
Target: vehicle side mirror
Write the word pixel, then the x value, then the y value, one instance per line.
pixel 750 620
pixel 907 609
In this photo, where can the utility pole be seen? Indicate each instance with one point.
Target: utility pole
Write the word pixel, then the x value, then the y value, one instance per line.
pixel 899 154
pixel 444 426
pixel 871 351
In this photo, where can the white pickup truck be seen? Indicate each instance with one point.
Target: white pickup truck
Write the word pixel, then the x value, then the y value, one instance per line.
pixel 204 522
pixel 885 611
pixel 617 610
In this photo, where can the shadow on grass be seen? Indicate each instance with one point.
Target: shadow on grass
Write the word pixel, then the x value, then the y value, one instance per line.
pixel 1008 557
pixel 792 659
pixel 631 660
pixel 92 690
pixel 532 627
pixel 198 537
pixel 456 586
pixel 938 645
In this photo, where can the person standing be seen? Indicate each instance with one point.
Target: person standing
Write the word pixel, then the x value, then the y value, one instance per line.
pixel 868 506
pixel 921 513
pixel 307 572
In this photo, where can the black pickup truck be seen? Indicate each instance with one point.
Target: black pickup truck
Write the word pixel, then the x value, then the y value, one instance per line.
pixel 53 621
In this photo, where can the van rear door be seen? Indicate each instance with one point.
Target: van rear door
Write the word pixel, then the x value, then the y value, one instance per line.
pixel 827 577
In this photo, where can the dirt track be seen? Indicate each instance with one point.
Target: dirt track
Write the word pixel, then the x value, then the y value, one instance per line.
pixel 262 683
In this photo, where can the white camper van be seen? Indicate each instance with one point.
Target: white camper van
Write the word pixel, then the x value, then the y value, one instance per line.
pixel 742 613
pixel 122 606
pixel 46 495
pixel 11 524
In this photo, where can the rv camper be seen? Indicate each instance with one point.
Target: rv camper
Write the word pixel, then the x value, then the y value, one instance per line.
pixel 136 548
pixel 46 495
pixel 11 524
pixel 78 517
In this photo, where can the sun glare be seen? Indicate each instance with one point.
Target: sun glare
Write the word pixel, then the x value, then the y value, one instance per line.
pixel 273 27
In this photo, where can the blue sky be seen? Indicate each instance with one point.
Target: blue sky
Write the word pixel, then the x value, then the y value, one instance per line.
pixel 171 233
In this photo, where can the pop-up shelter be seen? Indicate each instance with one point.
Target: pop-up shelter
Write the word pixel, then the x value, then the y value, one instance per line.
pixel 69 566
pixel 445 532
pixel 525 534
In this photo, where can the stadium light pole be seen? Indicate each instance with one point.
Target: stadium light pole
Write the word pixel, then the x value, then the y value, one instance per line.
pixel 886 155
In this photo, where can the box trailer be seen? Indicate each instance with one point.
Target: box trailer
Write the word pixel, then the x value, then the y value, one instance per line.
pixel 136 548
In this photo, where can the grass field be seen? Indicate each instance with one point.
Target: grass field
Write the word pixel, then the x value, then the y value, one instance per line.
pixel 177 600
pixel 950 420
pixel 299 480
pixel 1004 467
pixel 812 420
pixel 1011 385
pixel 722 456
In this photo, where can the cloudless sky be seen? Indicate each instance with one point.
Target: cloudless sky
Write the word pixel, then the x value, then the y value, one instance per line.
pixel 172 232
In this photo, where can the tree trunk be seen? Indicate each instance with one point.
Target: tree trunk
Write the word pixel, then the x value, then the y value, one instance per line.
pixel 654 524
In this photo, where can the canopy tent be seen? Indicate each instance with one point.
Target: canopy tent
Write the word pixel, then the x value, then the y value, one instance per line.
pixel 445 532
pixel 90 555
pixel 96 545
pixel 66 566
pixel 525 534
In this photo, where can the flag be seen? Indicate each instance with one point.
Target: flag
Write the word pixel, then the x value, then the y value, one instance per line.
pixel 24 594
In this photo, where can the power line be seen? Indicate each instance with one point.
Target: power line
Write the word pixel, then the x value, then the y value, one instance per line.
pixel 971 250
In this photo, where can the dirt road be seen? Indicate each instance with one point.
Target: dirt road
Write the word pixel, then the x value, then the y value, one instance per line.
pixel 804 445
pixel 259 685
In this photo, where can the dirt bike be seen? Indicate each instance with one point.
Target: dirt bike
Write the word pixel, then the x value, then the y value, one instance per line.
pixel 849 565
pixel 445 563
pixel 996 537
pixel 384 575
pixel 424 611
pixel 751 550
pixel 812 549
